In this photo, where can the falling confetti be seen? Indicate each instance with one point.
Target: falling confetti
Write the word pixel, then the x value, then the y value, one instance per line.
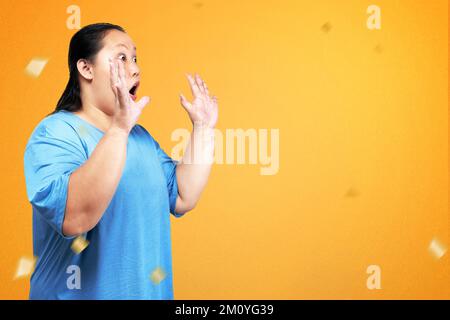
pixel 157 275
pixel 25 267
pixel 35 67
pixel 378 48
pixel 79 244
pixel 326 27
pixel 352 193
pixel 437 249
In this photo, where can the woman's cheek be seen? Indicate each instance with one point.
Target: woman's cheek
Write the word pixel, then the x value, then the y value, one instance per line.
pixel 105 99
pixel 107 91
pixel 110 100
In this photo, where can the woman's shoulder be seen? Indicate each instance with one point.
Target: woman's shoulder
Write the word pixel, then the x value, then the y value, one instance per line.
pixel 55 125
pixel 141 131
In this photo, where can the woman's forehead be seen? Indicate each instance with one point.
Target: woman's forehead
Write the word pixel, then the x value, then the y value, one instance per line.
pixel 117 39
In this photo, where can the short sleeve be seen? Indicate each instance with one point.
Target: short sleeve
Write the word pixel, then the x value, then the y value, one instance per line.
pixel 52 153
pixel 169 168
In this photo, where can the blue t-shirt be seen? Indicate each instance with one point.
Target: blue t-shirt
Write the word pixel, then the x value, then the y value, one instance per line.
pixel 129 252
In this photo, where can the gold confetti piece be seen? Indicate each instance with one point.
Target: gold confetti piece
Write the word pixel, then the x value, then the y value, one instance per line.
pixel 352 193
pixel 35 67
pixel 198 5
pixel 378 48
pixel 79 244
pixel 326 27
pixel 436 248
pixel 157 275
pixel 25 267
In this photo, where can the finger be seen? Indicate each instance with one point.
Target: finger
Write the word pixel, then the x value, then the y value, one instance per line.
pixel 122 77
pixel 123 97
pixel 185 103
pixel 199 82
pixel 194 87
pixel 121 71
pixel 116 72
pixel 206 88
pixel 121 87
pixel 113 75
pixel 142 102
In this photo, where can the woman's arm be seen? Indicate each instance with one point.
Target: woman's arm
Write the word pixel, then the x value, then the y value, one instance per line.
pixel 193 170
pixel 93 184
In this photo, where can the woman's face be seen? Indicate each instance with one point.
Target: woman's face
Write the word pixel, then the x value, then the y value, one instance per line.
pixel 118 46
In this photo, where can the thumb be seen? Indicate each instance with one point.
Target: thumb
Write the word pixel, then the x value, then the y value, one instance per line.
pixel 143 102
pixel 185 103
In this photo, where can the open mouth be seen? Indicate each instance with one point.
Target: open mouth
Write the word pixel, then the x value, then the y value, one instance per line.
pixel 133 91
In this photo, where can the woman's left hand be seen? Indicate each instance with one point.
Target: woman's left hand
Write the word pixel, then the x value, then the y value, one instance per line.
pixel 204 109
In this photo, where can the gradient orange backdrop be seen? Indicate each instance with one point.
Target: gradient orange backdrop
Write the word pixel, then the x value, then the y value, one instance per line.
pixel 357 109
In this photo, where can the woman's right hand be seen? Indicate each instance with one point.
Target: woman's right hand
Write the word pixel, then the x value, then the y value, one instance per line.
pixel 127 111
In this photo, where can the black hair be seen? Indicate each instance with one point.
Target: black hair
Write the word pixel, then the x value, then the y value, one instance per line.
pixel 85 44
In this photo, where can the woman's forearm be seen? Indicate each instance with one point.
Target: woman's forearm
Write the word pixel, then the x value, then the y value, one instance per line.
pixel 93 184
pixel 194 169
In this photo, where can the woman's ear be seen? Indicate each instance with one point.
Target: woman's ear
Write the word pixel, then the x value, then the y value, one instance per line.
pixel 85 69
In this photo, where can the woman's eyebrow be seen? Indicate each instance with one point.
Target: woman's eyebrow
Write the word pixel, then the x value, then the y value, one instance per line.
pixel 124 45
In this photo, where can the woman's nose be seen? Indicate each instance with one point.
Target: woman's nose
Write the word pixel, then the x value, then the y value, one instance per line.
pixel 134 70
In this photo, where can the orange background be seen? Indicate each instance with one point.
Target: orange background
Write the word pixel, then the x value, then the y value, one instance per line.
pixel 350 117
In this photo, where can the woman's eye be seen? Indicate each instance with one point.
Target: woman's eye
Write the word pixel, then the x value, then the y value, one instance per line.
pixel 123 57
pixel 135 60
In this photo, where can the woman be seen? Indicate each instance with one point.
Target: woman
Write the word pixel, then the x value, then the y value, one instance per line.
pixel 94 177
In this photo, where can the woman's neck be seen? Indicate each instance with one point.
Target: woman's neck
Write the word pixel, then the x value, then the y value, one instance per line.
pixel 94 116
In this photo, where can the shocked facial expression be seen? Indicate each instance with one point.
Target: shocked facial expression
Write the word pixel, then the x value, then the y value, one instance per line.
pixel 120 47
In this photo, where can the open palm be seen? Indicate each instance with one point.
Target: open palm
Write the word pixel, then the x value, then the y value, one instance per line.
pixel 127 111
pixel 203 109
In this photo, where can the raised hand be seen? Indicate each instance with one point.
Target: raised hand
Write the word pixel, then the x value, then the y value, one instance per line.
pixel 204 109
pixel 127 111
